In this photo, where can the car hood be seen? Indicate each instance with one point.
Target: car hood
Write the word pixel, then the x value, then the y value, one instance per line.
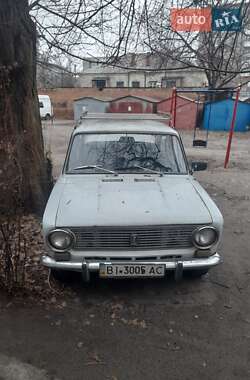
pixel 130 200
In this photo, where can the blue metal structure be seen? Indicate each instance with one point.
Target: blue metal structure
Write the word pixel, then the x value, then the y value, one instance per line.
pixel 218 116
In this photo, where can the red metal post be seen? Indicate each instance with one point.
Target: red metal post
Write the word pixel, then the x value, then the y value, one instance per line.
pixel 171 107
pixel 172 101
pixel 174 107
pixel 231 132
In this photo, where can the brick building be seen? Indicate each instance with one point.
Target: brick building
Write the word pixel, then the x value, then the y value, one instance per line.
pixel 186 111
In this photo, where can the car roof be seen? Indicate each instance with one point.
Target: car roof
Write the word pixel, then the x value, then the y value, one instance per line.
pixel 111 123
pixel 44 96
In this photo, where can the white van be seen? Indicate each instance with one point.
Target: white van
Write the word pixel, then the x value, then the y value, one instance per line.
pixel 45 106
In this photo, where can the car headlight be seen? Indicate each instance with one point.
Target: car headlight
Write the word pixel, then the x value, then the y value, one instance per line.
pixel 60 240
pixel 205 237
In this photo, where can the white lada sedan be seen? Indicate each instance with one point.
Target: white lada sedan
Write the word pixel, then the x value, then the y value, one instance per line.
pixel 127 205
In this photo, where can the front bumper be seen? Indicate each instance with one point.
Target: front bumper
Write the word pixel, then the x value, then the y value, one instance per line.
pixel 93 266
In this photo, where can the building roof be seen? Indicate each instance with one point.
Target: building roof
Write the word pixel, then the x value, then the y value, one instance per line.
pixel 131 123
pixel 134 62
pixel 112 98
pixel 147 98
pixel 103 70
pixel 91 97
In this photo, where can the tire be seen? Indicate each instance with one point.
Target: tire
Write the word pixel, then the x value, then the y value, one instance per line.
pixel 197 273
pixel 47 117
pixel 66 276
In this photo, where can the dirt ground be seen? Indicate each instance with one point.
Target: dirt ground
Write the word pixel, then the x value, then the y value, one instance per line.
pixel 129 330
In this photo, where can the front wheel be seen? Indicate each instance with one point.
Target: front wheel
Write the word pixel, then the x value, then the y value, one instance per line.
pixel 196 273
pixel 66 276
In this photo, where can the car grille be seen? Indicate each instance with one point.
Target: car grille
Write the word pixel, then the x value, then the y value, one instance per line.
pixel 133 259
pixel 133 238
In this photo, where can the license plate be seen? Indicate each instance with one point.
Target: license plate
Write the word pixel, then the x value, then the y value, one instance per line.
pixel 132 270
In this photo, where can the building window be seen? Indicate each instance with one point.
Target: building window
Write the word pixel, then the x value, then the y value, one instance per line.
pixel 169 82
pixel 99 83
pixel 152 83
pixel 135 84
pixel 120 84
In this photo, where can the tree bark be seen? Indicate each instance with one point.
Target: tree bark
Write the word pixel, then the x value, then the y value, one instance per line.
pixel 23 173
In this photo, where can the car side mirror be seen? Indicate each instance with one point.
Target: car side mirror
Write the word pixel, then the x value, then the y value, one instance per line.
pixel 197 166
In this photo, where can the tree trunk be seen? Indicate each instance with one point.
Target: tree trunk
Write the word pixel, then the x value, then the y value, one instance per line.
pixel 23 173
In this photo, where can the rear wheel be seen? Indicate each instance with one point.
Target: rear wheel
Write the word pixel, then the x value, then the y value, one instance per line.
pixel 196 273
pixel 47 117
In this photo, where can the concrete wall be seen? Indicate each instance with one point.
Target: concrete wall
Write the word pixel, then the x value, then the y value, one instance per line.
pixel 183 78
pixel 85 80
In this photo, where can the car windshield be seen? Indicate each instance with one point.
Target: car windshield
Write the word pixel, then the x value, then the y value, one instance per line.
pixel 125 153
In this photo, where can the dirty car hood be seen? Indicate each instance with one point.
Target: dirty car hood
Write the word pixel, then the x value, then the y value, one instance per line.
pixel 130 200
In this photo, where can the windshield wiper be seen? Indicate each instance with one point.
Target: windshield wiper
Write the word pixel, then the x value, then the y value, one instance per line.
pixel 149 170
pixel 95 167
pixel 142 168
